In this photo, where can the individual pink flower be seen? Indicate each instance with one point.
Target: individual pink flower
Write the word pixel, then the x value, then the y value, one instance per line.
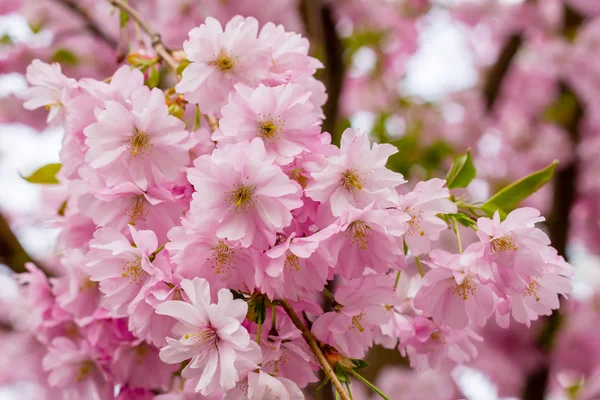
pixel 50 88
pixel 73 369
pixel 137 364
pixel 281 116
pixel 294 265
pixel 357 176
pixel 198 252
pixel 367 238
pixel 220 59
pixel 360 308
pixel 125 270
pixel 75 292
pixel 239 187
pixel 128 393
pixel 142 145
pixel 262 386
pixel 428 345
pixel 211 335
pixel 428 199
pixel 452 296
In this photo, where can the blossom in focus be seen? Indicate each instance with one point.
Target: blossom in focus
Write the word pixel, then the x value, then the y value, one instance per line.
pixel 211 336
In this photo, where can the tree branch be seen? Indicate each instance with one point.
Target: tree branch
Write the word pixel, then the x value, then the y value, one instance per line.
pixel 11 252
pixel 314 346
pixel 493 84
pixel 90 24
pixel 156 41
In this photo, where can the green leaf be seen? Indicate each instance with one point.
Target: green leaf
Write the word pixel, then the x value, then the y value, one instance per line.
pixel 359 364
pixel 6 39
pixel 461 218
pixel 65 57
pixel 257 309
pixel 182 65
pixel 462 171
pixel 153 77
pixel 123 18
pixel 341 374
pixel 44 175
pixel 509 197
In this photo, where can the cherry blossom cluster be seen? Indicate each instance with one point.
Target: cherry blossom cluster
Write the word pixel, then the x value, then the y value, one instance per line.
pixel 191 248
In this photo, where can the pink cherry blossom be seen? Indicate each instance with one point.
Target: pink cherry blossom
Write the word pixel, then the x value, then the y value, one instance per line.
pixel 50 88
pixel 357 176
pixel 262 386
pixel 240 188
pixel 451 296
pixel 360 307
pixel 367 238
pixel 220 58
pixel 428 199
pixel 124 271
pixel 281 116
pixel 142 145
pixel 211 336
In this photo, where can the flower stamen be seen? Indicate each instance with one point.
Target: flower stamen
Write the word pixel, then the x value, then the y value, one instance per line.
pixel 360 234
pixel 352 181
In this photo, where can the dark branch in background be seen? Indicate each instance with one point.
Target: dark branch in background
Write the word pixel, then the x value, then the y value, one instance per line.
pixel 326 44
pixel 565 190
pixel 498 72
pixel 11 252
pixel 90 24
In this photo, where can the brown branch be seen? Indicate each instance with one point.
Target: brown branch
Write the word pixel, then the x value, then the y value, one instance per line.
pixel 493 84
pixel 156 41
pixel 90 24
pixel 320 25
pixel 316 349
pixel 11 252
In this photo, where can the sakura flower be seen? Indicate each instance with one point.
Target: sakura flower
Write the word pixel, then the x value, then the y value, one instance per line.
pixel 75 292
pixel 428 345
pixel 357 176
pixel 451 296
pixel 50 88
pixel 360 308
pixel 367 238
pixel 294 265
pixel 428 199
pixel 240 188
pixel 262 386
pixel 211 335
pixel 223 263
pixel 73 369
pixel 281 116
pixel 143 145
pixel 124 270
pixel 220 58
pixel 137 364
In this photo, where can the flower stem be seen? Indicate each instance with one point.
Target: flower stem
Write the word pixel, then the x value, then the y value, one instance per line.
pixel 419 265
pixel 260 323
pixel 457 232
pixel 369 384
pixel 397 279
pixel 314 346
pixel 152 255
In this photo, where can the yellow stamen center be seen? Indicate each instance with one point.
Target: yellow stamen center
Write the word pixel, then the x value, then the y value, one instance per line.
pixel 242 197
pixel 360 234
pixel 532 289
pixel 292 262
pixel 503 243
pixel 352 181
pixel 297 174
pixel 465 289
pixel 224 61
pixel 223 257
pixel 414 224
pixel 136 210
pixel 139 143
pixel 356 322
pixel 134 271
pixel 84 369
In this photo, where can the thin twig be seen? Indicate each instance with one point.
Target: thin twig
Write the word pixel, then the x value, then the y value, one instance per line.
pixel 156 41
pixel 90 24
pixel 314 345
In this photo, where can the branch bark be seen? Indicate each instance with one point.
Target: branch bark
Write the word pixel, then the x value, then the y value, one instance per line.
pixel 491 89
pixel 90 24
pixel 316 349
pixel 11 252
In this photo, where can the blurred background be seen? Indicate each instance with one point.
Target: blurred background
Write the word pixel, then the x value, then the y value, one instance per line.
pixel 517 81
